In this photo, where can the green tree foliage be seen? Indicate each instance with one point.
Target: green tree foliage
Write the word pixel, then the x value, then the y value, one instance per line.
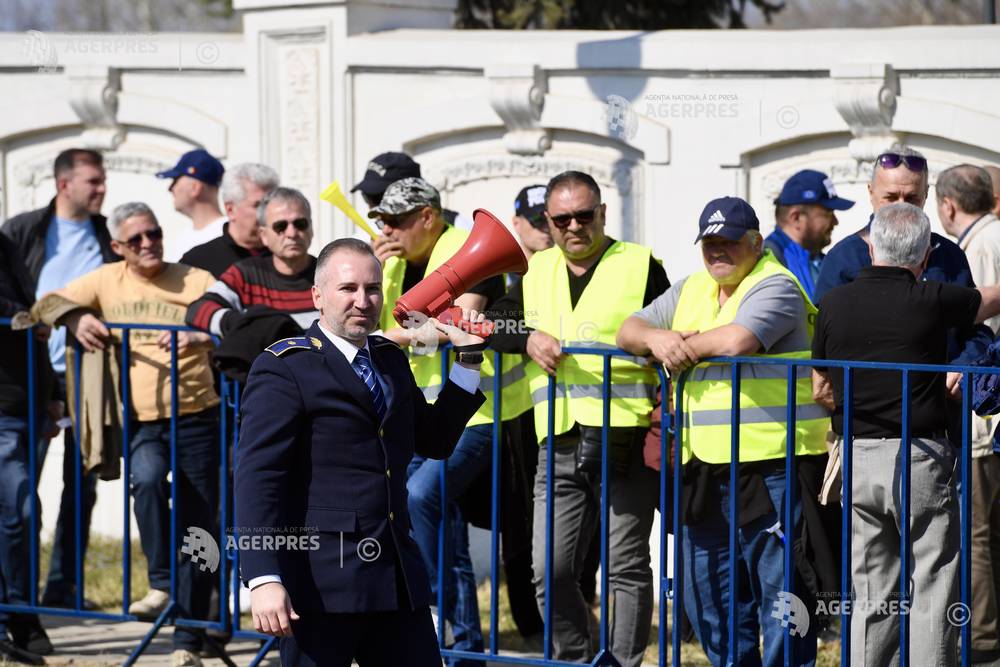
pixel 608 15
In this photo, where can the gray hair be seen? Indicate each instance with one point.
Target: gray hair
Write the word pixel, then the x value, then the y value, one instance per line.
pixel 235 179
pixel 125 211
pixel 900 235
pixel 284 195
pixel 900 149
pixel 970 187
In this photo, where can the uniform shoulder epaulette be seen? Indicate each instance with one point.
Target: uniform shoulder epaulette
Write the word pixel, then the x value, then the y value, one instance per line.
pixel 285 344
pixel 382 341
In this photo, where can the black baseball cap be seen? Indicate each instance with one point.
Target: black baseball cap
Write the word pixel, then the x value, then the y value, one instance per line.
pixel 530 205
pixel 728 217
pixel 384 170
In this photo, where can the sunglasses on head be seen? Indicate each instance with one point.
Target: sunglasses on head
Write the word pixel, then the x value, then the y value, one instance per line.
pixel 279 226
pixel 134 242
pixel 584 217
pixel 914 163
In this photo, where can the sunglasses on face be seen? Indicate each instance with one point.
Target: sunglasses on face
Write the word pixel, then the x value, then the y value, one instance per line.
pixel 279 226
pixel 134 242
pixel 914 163
pixel 395 221
pixel 584 217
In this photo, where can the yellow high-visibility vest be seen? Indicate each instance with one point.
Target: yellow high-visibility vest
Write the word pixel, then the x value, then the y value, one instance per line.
pixel 614 292
pixel 707 400
pixel 427 368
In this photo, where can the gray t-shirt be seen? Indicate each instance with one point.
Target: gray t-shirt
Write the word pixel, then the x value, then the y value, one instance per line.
pixel 773 311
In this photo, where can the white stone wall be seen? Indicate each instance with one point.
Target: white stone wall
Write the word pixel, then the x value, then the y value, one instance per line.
pixel 319 88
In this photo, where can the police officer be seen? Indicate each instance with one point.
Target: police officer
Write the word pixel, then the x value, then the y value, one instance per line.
pixel 744 302
pixel 578 293
pixel 330 421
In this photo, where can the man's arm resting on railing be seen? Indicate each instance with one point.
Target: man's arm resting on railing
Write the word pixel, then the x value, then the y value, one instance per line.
pixel 679 350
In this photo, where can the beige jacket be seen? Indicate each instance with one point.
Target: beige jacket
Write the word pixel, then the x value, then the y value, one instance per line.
pixel 982 248
pixel 100 399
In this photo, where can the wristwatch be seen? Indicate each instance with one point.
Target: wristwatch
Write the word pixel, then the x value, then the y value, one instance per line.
pixel 469 357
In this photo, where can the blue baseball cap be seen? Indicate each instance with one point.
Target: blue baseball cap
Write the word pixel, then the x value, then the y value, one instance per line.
pixel 812 187
pixel 196 164
pixel 728 217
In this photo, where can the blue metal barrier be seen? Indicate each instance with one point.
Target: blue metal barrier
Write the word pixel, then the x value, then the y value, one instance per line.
pixel 670 588
pixel 228 564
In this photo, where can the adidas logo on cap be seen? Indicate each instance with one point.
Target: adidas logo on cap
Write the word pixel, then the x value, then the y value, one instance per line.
pixel 717 216
pixel 712 229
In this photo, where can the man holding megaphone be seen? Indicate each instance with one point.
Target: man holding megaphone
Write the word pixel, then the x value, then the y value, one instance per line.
pixel 415 241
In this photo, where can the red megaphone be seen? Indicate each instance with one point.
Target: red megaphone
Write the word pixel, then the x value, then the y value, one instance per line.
pixel 489 251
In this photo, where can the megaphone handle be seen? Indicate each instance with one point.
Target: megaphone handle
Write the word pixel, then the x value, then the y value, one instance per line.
pixel 453 316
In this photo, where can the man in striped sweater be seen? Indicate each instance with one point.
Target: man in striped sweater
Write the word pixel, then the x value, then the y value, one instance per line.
pixel 279 284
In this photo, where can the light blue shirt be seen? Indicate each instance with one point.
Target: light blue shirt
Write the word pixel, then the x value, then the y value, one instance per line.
pixel 71 250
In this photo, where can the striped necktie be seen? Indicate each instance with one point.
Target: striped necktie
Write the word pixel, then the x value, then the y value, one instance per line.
pixel 363 367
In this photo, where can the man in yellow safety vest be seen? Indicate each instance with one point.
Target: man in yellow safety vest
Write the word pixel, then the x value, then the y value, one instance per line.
pixel 415 240
pixel 744 302
pixel 577 294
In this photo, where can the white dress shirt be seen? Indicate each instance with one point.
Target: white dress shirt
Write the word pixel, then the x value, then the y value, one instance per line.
pixel 466 378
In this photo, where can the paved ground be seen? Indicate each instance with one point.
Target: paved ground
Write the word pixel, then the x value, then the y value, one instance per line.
pixel 90 643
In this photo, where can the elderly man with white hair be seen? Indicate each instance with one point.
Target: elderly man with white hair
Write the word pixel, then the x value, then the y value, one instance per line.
pixel 243 188
pixel 887 314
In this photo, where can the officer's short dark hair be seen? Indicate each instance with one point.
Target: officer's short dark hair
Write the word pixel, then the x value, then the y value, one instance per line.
pixel 352 245
pixel 71 157
pixel 572 178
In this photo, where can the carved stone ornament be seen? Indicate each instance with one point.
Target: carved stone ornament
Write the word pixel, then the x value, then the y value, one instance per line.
pixel 865 96
pixel 517 94
pixel 94 98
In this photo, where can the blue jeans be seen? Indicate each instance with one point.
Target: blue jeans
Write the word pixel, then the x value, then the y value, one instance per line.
pixel 197 505
pixel 60 585
pixel 15 514
pixel 470 458
pixel 761 579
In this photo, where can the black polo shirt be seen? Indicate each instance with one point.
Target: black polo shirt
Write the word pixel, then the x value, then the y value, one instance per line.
pixel 887 315
pixel 219 254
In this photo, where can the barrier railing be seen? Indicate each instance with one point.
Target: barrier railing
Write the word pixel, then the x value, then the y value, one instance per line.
pixel 228 563
pixel 669 587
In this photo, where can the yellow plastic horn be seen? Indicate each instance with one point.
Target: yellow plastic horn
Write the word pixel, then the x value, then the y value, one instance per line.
pixel 335 196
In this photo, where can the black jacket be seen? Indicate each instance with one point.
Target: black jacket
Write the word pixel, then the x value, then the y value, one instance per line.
pixel 315 457
pixel 28 231
pixel 219 254
pixel 14 297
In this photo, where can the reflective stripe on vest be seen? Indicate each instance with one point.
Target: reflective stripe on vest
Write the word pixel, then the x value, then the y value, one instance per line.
pixel 707 406
pixel 615 292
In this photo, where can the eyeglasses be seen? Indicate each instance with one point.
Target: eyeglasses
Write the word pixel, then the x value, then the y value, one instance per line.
pixel 279 226
pixel 914 163
pixel 396 221
pixel 134 242
pixel 584 217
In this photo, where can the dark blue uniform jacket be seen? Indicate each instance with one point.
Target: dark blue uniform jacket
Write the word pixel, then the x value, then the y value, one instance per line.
pixel 314 460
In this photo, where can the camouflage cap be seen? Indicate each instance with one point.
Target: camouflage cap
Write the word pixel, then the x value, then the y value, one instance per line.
pixel 407 195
